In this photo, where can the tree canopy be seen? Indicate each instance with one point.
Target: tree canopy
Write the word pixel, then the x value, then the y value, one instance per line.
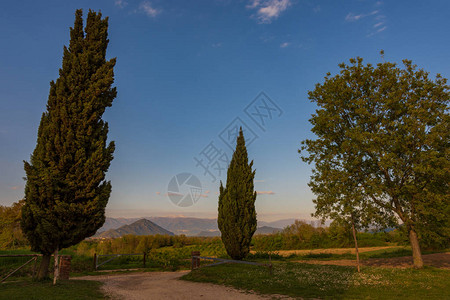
pixel 382 147
pixel 237 213
pixel 66 192
pixel 11 235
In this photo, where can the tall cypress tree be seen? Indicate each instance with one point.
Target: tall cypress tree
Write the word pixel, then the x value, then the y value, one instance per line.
pixel 237 213
pixel 66 192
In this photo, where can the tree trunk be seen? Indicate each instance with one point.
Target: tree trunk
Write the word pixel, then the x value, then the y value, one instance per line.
pixel 56 273
pixel 43 267
pixel 417 254
pixel 356 246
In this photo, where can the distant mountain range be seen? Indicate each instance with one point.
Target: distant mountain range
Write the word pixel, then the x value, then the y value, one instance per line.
pixel 177 225
pixel 267 230
pixel 260 231
pixel 189 226
pixel 140 227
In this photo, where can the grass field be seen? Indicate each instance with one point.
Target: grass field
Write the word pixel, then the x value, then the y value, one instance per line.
pixel 171 258
pixel 330 282
pixel 289 277
pixel 287 253
pixel 63 290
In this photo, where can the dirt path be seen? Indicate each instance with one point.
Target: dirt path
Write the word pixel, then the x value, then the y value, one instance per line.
pixel 438 260
pixel 164 285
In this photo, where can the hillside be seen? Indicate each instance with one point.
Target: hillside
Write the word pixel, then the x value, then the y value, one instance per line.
pixel 267 230
pixel 260 231
pixel 114 223
pixel 187 226
pixel 140 227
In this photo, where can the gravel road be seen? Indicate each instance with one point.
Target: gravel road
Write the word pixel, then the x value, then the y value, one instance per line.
pixel 164 285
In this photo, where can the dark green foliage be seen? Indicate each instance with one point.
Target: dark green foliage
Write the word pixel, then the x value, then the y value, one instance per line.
pixel 11 235
pixel 66 192
pixel 237 214
pixel 382 148
pixel 301 235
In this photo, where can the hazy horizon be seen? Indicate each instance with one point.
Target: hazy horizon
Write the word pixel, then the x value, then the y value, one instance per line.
pixel 206 215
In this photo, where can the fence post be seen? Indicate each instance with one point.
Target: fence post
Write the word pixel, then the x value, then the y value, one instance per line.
pixel 34 266
pixel 145 254
pixel 95 261
pixel 270 265
pixel 195 262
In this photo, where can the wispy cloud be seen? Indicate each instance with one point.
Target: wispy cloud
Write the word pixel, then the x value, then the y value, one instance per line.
pixel 353 18
pixel 284 45
pixel 147 8
pixel 216 45
pixel 382 29
pixel 173 194
pixel 375 16
pixel 120 3
pixel 268 10
pixel 265 193
pixel 378 24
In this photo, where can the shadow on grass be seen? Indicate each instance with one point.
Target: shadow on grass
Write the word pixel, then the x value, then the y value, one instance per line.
pixel 63 290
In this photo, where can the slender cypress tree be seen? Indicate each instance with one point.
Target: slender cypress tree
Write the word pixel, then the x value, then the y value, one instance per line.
pixel 66 192
pixel 237 214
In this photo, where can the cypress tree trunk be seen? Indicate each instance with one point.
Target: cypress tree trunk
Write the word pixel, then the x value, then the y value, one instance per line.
pixel 416 252
pixel 43 267
pixel 237 213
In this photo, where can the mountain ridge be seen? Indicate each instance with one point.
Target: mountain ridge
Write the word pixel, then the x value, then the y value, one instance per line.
pixel 139 227
pixel 188 226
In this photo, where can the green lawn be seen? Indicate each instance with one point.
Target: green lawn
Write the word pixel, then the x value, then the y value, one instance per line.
pixel 330 282
pixel 64 290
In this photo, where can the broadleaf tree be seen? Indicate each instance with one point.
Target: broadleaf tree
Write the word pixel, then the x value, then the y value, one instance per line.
pixel 343 201
pixel 66 192
pixel 385 129
pixel 237 213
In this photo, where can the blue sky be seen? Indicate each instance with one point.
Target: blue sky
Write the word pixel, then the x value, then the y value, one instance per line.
pixel 186 69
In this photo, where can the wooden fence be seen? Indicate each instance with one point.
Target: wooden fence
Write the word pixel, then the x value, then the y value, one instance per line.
pixel 63 267
pixel 33 258
pixel 97 264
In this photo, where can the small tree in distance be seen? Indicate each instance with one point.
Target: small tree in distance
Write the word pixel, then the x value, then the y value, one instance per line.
pixel 66 192
pixel 342 200
pixel 237 213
